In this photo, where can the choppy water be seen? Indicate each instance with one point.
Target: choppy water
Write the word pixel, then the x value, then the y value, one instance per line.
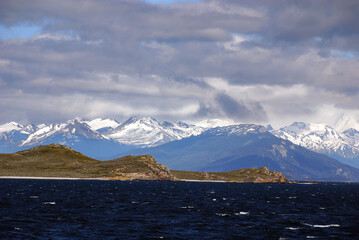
pixel 75 209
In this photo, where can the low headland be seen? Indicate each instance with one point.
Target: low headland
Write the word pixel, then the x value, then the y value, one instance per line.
pixel 255 175
pixel 56 161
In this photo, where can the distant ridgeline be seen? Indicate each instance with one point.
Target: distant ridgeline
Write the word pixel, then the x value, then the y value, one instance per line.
pixel 302 152
pixel 55 160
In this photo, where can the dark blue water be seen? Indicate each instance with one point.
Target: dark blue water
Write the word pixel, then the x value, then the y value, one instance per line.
pixel 75 209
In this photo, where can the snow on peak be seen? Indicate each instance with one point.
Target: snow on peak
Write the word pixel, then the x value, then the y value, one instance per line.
pixel 147 132
pixel 68 130
pixel 7 127
pixel 212 123
pixel 240 129
pixel 319 138
pixel 352 136
pixel 309 128
pixel 346 122
pixel 42 133
pixel 100 123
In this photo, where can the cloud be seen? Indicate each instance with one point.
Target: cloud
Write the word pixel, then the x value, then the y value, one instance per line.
pixel 273 60
pixel 240 111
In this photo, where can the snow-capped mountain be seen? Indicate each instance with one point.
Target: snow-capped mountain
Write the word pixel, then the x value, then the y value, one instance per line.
pixel 352 136
pixel 346 122
pixel 108 137
pixel 148 132
pixel 201 147
pixel 70 131
pixel 102 125
pixel 322 138
pixel 247 146
pixel 212 123
pixel 7 127
pixel 78 135
pixel 11 134
pixel 241 129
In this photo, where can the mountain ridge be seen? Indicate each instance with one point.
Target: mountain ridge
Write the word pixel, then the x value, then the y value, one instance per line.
pixel 249 146
pixel 103 138
pixel 56 160
pixel 324 139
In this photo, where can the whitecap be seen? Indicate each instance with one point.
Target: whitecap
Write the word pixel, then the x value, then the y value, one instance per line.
pixel 50 203
pixel 214 199
pixel 222 214
pixel 326 226
pixel 292 228
pixel 34 196
pixel 241 213
pixel 322 226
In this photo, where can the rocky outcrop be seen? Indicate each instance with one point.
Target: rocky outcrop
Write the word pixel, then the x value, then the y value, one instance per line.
pixel 256 175
pixel 141 168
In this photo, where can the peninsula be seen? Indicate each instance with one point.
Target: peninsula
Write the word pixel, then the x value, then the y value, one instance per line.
pixel 58 161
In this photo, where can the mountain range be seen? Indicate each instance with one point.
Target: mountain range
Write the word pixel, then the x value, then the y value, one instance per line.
pixel 58 161
pixel 175 143
pixel 109 136
pixel 324 139
pixel 249 146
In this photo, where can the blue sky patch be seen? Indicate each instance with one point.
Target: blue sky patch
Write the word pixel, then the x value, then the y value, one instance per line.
pixel 19 31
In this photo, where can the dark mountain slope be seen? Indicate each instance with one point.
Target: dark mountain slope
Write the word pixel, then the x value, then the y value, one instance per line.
pixel 249 146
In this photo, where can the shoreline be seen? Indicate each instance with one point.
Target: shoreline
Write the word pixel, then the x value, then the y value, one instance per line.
pixel 50 178
pixel 70 178
pixel 195 180
pixel 107 179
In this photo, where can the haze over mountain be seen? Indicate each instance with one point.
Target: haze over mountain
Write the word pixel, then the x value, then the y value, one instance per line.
pixel 346 122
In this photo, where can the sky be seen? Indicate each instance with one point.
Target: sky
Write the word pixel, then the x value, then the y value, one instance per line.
pixel 246 61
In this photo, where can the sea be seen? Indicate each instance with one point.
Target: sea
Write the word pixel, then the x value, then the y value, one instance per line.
pixel 95 209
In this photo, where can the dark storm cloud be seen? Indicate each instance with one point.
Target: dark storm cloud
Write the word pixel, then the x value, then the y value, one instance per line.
pixel 157 57
pixel 240 111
